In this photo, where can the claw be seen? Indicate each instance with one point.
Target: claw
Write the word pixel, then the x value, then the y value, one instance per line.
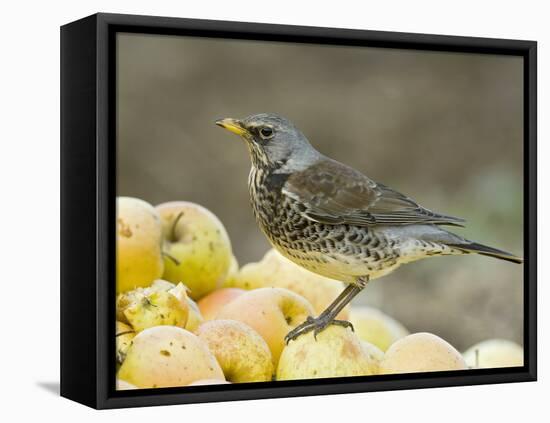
pixel 315 332
pixel 317 325
pixel 344 323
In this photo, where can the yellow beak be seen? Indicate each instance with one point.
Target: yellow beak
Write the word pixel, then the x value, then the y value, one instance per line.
pixel 232 125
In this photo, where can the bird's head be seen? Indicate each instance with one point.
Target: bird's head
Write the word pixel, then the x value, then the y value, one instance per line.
pixel 272 140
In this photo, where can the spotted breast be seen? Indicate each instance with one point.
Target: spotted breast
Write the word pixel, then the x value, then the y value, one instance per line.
pixel 343 252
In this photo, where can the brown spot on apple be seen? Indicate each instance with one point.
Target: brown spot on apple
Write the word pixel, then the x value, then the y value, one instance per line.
pixel 349 349
pixel 124 229
pixel 301 355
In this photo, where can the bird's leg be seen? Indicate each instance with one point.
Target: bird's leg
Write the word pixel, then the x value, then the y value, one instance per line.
pixel 327 317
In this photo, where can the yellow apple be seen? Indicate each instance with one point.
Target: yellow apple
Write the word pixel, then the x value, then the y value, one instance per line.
pixel 274 270
pixel 272 312
pixel 124 336
pixel 156 309
pixel 195 317
pixel 125 300
pixel 164 356
pixel 211 304
pixel 162 285
pixel 494 353
pixel 138 244
pixel 241 352
pixel 375 353
pixel 336 352
pixel 231 273
pixel 376 327
pixel 181 292
pixel 122 385
pixel 162 303
pixel 197 247
pixel 421 352
pixel 233 267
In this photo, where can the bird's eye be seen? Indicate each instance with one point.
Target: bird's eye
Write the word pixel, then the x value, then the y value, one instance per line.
pixel 266 132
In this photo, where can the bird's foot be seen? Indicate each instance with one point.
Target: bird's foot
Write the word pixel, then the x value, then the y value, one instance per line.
pixel 315 324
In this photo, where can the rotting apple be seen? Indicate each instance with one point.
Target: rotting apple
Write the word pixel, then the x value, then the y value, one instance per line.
pixel 155 308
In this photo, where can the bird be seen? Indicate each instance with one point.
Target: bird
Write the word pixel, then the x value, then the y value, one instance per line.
pixel 333 220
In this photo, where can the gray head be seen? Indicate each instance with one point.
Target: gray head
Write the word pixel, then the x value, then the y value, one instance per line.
pixel 272 140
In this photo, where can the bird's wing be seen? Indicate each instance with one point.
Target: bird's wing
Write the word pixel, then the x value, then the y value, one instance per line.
pixel 332 193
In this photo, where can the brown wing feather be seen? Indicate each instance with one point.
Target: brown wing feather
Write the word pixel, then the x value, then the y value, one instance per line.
pixel 334 193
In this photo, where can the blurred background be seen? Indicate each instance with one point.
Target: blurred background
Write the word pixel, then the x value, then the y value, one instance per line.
pixel 444 128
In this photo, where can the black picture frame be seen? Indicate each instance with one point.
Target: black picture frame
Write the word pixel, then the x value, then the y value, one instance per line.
pixel 88 153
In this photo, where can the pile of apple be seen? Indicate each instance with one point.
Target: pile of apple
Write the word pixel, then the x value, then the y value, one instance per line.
pixel 187 315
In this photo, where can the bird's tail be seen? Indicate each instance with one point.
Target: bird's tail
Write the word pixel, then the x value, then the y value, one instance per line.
pixel 474 247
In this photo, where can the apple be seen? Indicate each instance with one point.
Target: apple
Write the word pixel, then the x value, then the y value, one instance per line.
pixel 196 245
pixel 122 385
pixel 272 312
pixel 494 353
pixel 155 309
pixel 376 355
pixel 421 352
pixel 164 356
pixel 125 300
pixel 241 352
pixel 275 270
pixel 138 244
pixel 124 336
pixel 336 352
pixel 155 315
pixel 376 327
pixel 231 273
pixel 233 267
pixel 162 285
pixel 195 317
pixel 213 302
